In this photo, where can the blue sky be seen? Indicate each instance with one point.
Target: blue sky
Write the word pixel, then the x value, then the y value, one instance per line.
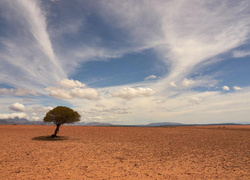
pixel 126 62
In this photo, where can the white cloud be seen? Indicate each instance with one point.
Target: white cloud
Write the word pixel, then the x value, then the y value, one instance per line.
pixel 5 91
pixel 179 38
pixel 100 105
pixel 13 116
pixel 151 77
pixel 38 27
pixel 237 88
pixel 24 92
pixel 72 89
pixel 70 83
pixel 200 81
pixel 176 106
pixel 225 88
pixel 240 54
pixel 182 37
pixel 97 118
pixel 172 84
pixel 86 93
pixel 27 55
pixel 40 109
pixel 187 82
pixel 18 92
pixel 34 118
pixel 17 107
pixel 58 93
pixel 36 112
pixel 66 27
pixel 54 1
pixel 130 93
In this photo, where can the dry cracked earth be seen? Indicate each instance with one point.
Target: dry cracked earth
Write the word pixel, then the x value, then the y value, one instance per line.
pixel 215 152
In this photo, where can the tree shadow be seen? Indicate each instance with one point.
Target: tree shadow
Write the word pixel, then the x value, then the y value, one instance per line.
pixel 49 138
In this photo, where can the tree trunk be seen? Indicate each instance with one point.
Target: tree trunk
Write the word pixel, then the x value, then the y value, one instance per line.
pixel 56 131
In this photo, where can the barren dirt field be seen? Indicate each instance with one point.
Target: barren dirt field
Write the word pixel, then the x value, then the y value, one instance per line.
pixel 217 152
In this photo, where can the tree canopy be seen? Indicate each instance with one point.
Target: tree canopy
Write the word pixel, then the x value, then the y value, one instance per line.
pixel 61 115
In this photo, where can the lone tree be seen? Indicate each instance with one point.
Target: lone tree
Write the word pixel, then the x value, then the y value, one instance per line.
pixel 61 115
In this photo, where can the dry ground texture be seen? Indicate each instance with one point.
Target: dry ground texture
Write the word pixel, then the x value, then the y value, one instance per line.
pixel 125 152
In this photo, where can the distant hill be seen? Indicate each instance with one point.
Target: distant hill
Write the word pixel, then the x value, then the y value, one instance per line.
pixel 158 124
pixel 20 122
pixel 14 121
pixel 27 122
pixel 164 124
pixel 92 124
pixel 38 123
pixel 219 124
pixel 3 122
pixel 98 124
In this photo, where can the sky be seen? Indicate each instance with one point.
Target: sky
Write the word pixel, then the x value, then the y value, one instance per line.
pixel 126 62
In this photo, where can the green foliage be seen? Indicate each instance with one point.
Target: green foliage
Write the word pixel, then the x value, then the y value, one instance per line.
pixel 61 115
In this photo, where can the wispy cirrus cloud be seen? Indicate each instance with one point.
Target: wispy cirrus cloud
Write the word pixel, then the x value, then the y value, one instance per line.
pixel 151 77
pixel 26 46
pixel 240 53
pixel 18 92
pixel 36 22
pixel 182 37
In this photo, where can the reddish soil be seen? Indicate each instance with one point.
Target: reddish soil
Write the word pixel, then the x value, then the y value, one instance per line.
pixel 125 152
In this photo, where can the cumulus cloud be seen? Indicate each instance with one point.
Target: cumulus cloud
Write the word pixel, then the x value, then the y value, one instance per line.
pixel 86 93
pixel 72 89
pixel 186 107
pixel 17 107
pixel 70 83
pixel 18 92
pixel 237 88
pixel 14 116
pixel 151 77
pixel 225 88
pixel 130 93
pixel 58 92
